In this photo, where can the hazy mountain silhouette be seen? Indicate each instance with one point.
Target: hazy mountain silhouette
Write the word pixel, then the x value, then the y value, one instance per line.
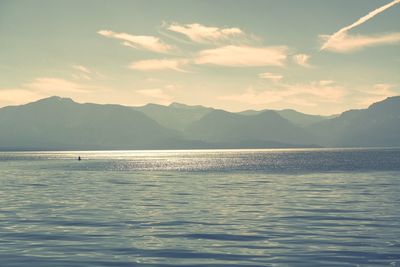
pixel 378 125
pixel 175 116
pixel 297 118
pixel 226 127
pixel 60 123
pixel 179 116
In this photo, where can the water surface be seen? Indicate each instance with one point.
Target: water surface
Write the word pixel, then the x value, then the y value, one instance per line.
pixel 304 207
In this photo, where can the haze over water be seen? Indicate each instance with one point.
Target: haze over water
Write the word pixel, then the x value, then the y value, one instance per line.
pixel 305 207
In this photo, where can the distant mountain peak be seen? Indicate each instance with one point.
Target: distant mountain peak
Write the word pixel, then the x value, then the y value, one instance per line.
pixel 393 101
pixel 177 105
pixel 55 99
pixel 184 106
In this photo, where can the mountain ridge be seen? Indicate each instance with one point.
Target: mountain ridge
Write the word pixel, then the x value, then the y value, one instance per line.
pixel 56 123
pixel 378 125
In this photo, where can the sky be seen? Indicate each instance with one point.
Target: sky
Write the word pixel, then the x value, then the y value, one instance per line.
pixel 315 56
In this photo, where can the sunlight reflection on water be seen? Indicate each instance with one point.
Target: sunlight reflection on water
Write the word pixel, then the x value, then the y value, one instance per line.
pixel 301 207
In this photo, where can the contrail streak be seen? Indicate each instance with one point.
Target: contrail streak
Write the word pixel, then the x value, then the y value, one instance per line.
pixel 360 21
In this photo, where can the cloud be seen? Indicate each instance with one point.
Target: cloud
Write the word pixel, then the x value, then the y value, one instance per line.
pixel 347 43
pixel 338 41
pixel 145 42
pixel 326 82
pixel 52 85
pixel 374 94
pixel 306 94
pixel 83 72
pixel 302 60
pixel 15 96
pixel 42 87
pixel 204 34
pixel 159 64
pixel 243 56
pixel 156 94
pixel 270 76
pixel 310 97
pixel 55 85
pixel 82 69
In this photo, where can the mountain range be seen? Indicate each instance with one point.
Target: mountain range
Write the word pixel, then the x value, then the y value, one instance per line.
pixel 57 123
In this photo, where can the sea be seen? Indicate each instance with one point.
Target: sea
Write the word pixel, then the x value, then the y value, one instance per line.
pixel 277 207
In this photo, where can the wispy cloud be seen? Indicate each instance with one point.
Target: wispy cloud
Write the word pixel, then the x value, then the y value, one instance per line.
pixel 146 42
pixel 83 72
pixel 42 87
pixel 15 96
pixel 270 76
pixel 302 60
pixel 374 94
pixel 326 82
pixel 298 95
pixel 340 41
pixel 347 43
pixel 55 85
pixel 243 56
pixel 82 69
pixel 205 34
pixel 158 95
pixel 324 92
pixel 311 96
pixel 159 64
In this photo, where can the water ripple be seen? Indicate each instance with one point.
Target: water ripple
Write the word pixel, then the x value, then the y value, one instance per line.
pixel 201 208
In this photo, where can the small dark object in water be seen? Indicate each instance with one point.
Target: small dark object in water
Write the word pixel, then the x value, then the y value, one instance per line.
pixel 79 158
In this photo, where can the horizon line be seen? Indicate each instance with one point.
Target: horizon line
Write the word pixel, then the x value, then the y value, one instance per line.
pixel 191 105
